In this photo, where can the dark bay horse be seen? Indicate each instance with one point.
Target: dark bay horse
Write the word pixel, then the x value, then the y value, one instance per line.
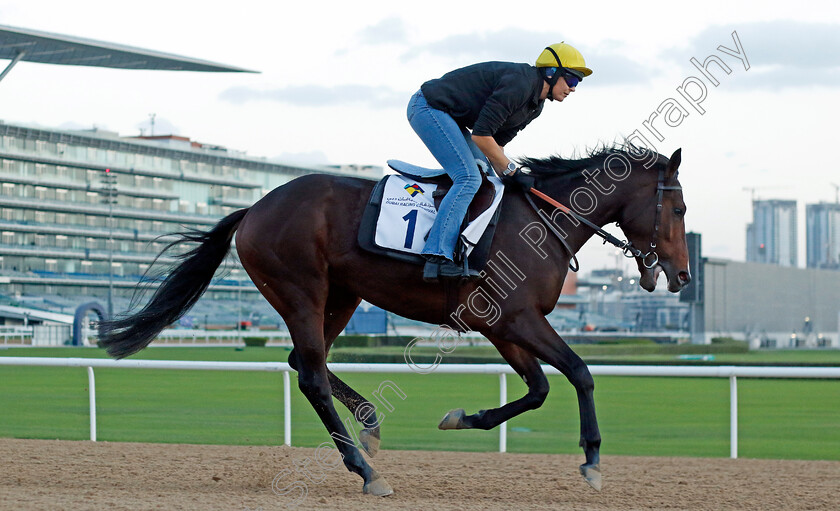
pixel 299 246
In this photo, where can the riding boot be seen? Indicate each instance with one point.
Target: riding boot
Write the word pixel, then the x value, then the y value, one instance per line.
pixel 438 267
pixel 452 270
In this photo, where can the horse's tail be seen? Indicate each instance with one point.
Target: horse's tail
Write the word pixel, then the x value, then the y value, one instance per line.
pixel 128 334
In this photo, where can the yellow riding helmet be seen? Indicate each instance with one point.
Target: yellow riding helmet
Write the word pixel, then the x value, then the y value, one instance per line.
pixel 563 55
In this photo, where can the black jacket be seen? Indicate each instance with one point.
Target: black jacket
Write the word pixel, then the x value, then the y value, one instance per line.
pixel 495 99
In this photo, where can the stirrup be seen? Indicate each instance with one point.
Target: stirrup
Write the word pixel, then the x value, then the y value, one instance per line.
pixel 450 270
pixel 437 268
pixel 431 270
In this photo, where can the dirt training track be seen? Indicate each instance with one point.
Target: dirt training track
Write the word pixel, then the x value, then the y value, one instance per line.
pixel 52 474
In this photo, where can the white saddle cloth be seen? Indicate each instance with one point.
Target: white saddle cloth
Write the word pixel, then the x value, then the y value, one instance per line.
pixel 408 212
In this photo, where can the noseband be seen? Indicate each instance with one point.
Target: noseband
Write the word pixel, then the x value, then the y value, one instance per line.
pixel 629 250
pixel 626 247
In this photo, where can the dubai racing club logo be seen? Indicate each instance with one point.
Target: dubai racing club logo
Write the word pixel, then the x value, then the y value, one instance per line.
pixel 414 189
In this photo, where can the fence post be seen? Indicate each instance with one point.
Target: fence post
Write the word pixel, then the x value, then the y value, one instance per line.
pixel 287 409
pixel 502 402
pixel 92 393
pixel 733 417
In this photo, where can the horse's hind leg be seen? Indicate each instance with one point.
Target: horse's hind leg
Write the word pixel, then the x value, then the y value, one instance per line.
pixel 313 380
pixel 303 310
pixel 362 410
pixel 339 309
pixel 528 367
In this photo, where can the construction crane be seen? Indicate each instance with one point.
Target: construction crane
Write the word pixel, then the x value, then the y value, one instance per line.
pixel 752 190
pixel 836 192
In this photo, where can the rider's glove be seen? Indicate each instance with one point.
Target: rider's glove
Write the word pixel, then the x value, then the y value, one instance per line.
pixel 519 178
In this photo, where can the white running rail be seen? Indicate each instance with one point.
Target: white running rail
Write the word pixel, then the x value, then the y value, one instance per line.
pixel 680 371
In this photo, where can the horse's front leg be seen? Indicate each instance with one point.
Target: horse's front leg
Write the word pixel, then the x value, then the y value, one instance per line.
pixel 528 368
pixel 532 332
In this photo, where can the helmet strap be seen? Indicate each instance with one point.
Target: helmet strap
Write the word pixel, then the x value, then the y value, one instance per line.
pixel 551 81
pixel 557 58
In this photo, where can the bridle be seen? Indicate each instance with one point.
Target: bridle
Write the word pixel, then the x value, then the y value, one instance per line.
pixel 626 247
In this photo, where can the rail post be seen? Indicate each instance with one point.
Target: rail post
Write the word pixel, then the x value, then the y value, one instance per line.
pixel 733 416
pixel 92 394
pixel 287 409
pixel 502 402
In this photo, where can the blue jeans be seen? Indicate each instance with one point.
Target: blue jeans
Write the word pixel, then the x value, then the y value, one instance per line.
pixel 453 148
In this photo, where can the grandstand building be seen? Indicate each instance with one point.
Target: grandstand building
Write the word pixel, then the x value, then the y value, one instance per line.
pixel 81 212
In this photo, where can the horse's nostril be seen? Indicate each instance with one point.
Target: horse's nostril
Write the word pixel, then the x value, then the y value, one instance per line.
pixel 684 277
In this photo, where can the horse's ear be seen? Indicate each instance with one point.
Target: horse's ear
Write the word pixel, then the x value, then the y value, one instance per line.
pixel 674 164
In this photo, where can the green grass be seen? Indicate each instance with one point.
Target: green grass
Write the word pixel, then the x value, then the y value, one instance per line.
pixel 794 419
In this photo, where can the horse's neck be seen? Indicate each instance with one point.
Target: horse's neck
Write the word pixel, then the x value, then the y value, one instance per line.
pixel 577 193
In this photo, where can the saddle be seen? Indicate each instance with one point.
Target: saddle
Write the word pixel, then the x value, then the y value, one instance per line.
pixel 419 180
pixel 481 201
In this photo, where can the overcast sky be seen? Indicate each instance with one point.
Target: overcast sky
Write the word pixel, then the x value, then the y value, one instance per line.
pixel 336 76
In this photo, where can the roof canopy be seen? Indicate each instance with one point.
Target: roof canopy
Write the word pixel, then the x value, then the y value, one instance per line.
pixel 20 44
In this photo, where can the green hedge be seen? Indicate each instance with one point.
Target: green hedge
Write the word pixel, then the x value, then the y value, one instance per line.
pixel 255 342
pixel 418 358
pixel 369 341
pixel 603 353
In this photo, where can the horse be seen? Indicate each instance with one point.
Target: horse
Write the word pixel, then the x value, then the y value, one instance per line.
pixel 299 246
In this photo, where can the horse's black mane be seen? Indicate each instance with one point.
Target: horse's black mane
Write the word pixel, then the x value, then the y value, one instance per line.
pixel 555 165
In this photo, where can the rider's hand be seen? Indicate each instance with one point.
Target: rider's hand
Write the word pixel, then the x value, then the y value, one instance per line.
pixel 519 178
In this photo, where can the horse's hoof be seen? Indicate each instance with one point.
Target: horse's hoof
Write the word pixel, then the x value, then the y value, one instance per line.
pixel 592 475
pixel 369 438
pixel 453 420
pixel 378 486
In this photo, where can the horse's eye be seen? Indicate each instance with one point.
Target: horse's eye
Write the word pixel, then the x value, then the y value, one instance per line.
pixel 678 212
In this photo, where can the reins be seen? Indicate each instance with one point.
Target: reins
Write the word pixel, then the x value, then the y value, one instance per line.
pixel 626 247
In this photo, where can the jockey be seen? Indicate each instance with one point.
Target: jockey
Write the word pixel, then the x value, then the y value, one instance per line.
pixel 468 116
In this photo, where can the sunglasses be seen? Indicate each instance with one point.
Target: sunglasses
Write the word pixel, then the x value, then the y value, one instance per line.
pixel 571 79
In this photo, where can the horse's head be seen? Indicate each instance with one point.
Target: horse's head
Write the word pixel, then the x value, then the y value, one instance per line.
pixel 653 221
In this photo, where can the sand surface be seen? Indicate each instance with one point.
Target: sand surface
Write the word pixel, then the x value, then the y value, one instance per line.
pixel 50 475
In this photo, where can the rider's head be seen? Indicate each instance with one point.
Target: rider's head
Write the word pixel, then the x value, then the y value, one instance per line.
pixel 561 60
